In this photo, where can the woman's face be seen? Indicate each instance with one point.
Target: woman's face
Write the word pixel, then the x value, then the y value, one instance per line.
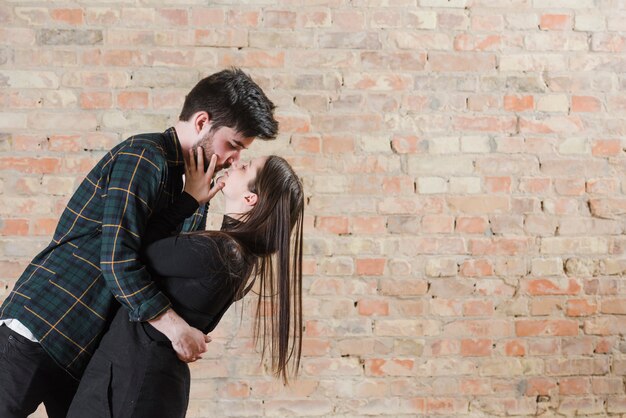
pixel 237 180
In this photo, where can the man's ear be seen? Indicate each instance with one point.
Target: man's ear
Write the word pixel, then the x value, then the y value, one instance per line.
pixel 250 198
pixel 202 120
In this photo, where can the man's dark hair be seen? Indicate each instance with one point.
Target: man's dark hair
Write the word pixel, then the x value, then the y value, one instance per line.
pixel 232 99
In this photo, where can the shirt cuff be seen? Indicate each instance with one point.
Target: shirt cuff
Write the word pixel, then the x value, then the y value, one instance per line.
pixel 187 203
pixel 150 309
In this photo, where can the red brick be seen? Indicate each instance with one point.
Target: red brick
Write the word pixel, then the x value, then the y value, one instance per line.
pixel 498 246
pixel 540 386
pixel 498 184
pixel 309 144
pixel 476 348
pixel 389 367
pixel 28 142
pixel 44 226
pixel 515 348
pixel 122 58
pixel 279 19
pixel 604 346
pixel 555 22
pixel 294 123
pixel 332 144
pixel 471 225
pixel 478 308
pixel 309 267
pixel 448 406
pixel 476 268
pixel 606 147
pixel 10 226
pixel 369 307
pixel 132 100
pixel 535 185
pixel 467 42
pixel 204 17
pixel 174 17
pixel 65 143
pixel 518 103
pixel 315 347
pixel 447 62
pixel 475 386
pixel 539 287
pixel 437 224
pixel 368 225
pixel 96 100
pixel 69 16
pixel 370 266
pixel 535 328
pixel 333 224
pixel 586 104
pixel 574 386
pixel 409 145
pixel 613 306
pixel 570 186
pixel 30 165
pixel 235 390
pixel 581 307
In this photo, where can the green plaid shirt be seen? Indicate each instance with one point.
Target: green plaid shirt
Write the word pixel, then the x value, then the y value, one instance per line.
pixel 68 291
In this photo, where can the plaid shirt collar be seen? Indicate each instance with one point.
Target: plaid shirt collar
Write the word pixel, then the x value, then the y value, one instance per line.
pixel 173 149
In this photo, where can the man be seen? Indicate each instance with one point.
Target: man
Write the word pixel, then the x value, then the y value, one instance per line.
pixel 59 308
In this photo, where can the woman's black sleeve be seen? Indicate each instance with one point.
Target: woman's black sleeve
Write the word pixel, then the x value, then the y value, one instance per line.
pixel 165 223
pixel 184 255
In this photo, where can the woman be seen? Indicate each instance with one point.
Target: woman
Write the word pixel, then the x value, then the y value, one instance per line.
pixel 135 372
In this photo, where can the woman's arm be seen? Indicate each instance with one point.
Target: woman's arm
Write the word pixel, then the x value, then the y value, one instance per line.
pixel 185 255
pixel 165 223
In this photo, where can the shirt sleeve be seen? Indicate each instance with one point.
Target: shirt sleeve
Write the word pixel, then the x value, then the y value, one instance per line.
pixel 202 223
pixel 165 223
pixel 135 182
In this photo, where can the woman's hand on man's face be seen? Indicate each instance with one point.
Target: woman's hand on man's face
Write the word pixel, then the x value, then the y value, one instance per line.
pixel 198 181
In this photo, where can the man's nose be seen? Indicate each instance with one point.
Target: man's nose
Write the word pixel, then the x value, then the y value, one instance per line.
pixel 234 159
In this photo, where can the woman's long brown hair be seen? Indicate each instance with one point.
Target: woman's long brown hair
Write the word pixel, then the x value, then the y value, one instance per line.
pixel 271 235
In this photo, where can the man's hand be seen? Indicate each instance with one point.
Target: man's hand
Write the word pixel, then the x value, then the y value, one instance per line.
pixel 198 181
pixel 188 342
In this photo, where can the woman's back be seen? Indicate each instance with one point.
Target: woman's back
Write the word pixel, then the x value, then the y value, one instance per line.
pixel 201 274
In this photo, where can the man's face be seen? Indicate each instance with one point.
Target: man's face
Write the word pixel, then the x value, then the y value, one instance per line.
pixel 225 142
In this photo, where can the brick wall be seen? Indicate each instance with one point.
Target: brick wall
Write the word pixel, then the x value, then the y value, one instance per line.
pixel 465 168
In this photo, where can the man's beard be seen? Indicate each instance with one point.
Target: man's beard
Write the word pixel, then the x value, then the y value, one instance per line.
pixel 206 142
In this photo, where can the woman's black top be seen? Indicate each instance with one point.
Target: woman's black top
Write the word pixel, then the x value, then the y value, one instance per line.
pixel 201 274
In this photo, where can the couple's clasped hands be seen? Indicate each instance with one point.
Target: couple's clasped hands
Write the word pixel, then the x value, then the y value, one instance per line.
pixel 189 342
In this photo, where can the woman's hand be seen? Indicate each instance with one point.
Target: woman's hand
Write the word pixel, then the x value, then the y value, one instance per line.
pixel 198 181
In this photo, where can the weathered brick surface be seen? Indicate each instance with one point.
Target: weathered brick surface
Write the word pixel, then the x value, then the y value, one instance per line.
pixel 464 164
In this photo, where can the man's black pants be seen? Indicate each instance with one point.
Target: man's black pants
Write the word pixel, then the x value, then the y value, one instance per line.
pixel 29 376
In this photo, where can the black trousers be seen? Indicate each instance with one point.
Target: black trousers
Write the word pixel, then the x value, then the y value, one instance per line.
pixel 132 375
pixel 29 376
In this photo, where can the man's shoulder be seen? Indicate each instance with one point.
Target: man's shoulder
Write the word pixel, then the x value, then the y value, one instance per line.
pixel 148 144
pixel 154 142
